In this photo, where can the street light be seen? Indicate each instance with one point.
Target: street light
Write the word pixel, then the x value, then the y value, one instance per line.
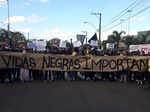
pixel 129 21
pixel 92 25
pixel 85 35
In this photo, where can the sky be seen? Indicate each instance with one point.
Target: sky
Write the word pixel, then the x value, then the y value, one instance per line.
pixel 64 19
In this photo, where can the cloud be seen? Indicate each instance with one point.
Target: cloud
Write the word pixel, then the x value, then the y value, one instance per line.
pixel 27 30
pixel 133 32
pixel 138 19
pixel 43 1
pixel 55 33
pixel 141 18
pixel 2 1
pixel 30 0
pixel 26 3
pixel 34 18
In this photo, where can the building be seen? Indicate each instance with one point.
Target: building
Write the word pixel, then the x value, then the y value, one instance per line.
pixel 147 33
pixel 55 41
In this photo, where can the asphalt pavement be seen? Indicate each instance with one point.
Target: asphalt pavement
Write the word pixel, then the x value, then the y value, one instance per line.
pixel 74 96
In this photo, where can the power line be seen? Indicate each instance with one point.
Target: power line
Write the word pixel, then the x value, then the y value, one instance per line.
pixel 96 5
pixel 94 9
pixel 127 18
pixel 114 19
pixel 102 7
pixel 101 4
pixel 105 4
pixel 126 12
pixel 139 3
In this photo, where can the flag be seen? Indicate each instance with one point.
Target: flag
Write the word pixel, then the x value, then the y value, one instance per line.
pixel 94 37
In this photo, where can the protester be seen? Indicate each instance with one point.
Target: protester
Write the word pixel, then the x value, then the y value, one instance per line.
pixel 6 73
pixel 124 73
pixel 92 52
pixel 71 74
pixel 140 75
pixel 24 73
pixel 89 52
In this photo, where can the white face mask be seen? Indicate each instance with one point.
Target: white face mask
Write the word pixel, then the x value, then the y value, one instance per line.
pixel 24 51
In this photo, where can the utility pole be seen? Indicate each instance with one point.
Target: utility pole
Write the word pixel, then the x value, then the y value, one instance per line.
pixel 99 24
pixel 129 22
pixel 121 23
pixel 8 26
pixel 28 37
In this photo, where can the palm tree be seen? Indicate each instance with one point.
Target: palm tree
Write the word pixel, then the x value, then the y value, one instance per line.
pixel 116 38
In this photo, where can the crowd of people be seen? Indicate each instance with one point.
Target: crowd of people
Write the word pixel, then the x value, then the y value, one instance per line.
pixel 25 75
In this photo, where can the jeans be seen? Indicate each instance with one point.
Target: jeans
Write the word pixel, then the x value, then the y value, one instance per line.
pixel 71 74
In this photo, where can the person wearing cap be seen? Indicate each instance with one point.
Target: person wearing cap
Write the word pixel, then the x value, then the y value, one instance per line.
pixel 72 74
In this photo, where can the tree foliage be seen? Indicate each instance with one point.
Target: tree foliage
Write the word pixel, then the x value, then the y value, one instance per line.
pixel 13 36
pixel 127 40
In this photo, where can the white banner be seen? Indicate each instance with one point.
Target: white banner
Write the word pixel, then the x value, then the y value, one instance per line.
pixel 62 44
pixel 40 45
pixel 31 45
pixel 94 42
pixel 144 47
pixel 109 46
pixel 77 44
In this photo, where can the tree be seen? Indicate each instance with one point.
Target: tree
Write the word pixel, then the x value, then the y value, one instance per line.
pixel 148 42
pixel 136 41
pixel 128 40
pixel 17 36
pixel 104 42
pixel 115 38
pixel 3 34
pixel 142 38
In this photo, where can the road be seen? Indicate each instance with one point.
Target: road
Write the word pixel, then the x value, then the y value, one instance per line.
pixel 74 96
